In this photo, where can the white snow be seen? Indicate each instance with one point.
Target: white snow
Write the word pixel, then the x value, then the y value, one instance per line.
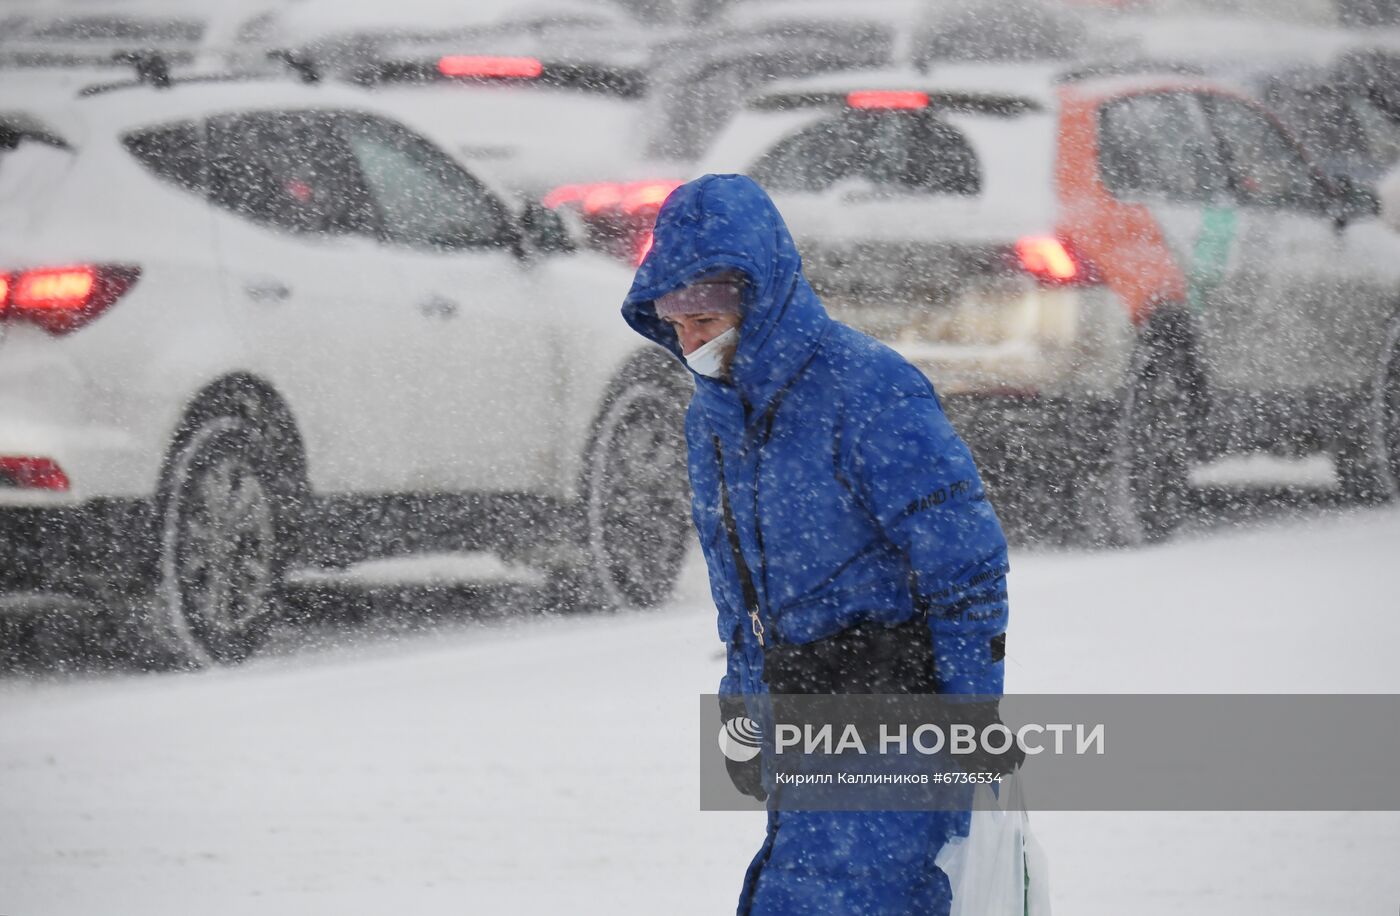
pixel 422 569
pixel 548 765
pixel 1269 470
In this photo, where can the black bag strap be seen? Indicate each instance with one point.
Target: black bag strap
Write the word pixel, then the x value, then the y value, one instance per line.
pixel 732 529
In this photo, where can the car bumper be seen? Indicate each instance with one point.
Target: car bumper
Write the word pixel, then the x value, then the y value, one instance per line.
pixel 1019 434
pixel 61 406
pixel 57 549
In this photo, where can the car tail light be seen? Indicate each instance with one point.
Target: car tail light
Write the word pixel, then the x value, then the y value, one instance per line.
pixel 645 247
pixel 490 67
pixel 627 198
pixel 33 473
pixel 564 194
pixel 63 299
pixel 644 194
pixel 602 197
pixel 881 98
pixel 1053 261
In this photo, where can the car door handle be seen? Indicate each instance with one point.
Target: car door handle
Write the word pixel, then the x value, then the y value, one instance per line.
pixel 267 291
pixel 438 307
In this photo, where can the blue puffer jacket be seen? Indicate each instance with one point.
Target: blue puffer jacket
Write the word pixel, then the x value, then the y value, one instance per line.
pixel 855 502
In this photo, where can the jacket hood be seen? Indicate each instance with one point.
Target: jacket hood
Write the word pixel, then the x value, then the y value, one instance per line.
pixel 727 222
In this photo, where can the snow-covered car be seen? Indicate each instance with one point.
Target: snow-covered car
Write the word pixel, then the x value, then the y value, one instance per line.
pixel 1108 277
pixel 91 33
pixel 566 132
pixel 702 76
pixel 249 325
pixel 550 98
pixel 1346 115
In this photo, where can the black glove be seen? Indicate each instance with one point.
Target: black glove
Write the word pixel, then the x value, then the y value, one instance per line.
pixel 980 760
pixel 746 775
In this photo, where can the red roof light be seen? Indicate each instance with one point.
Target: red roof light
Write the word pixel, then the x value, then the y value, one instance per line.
pixel 490 67
pixel 882 98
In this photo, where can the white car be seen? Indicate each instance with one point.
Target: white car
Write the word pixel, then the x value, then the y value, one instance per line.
pixel 93 33
pixel 1109 276
pixel 246 325
pixel 551 101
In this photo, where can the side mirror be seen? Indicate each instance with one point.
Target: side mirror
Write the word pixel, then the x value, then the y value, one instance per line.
pixel 544 230
pixel 1353 200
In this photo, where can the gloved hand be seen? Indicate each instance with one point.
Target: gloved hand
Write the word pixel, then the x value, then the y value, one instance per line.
pixel 747 777
pixel 742 735
pixel 980 760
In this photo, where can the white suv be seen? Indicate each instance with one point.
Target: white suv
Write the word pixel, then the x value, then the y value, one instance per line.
pixel 248 324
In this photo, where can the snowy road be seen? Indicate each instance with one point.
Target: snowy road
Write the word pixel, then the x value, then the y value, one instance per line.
pixel 543 766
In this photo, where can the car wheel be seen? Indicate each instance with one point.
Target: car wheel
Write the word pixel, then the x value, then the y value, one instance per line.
pixel 221 554
pixel 1140 493
pixel 636 501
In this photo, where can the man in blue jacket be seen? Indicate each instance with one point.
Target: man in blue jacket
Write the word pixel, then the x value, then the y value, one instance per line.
pixel 850 545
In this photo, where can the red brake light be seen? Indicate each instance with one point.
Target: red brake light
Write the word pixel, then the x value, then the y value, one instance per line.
pixel 645 194
pixel 63 299
pixel 34 473
pixel 4 293
pixel 600 197
pixel 1052 261
pixel 564 194
pixel 645 248
pixel 628 197
pixel 490 67
pixel 880 98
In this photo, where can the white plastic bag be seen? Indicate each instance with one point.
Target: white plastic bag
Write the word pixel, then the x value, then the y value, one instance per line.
pixel 998 869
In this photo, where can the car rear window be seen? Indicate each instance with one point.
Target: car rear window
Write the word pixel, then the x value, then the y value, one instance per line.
pixel 173 152
pixel 910 150
pixel 288 170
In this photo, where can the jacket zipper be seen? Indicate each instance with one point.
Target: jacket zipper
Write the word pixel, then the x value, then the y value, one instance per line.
pixel 758 536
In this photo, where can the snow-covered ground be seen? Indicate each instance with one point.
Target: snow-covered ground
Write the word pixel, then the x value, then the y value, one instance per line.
pixel 549 765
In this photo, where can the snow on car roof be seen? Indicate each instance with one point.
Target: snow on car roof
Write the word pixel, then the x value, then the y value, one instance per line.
pixel 135 104
pixel 314 19
pixel 901 12
pixel 519 138
pixel 530 137
pixel 1226 39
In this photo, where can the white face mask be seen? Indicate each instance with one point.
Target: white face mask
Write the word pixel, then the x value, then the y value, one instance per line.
pixel 712 359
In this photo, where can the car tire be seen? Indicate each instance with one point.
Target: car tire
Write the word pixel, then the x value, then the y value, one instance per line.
pixel 1140 491
pixel 223 548
pixel 636 497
